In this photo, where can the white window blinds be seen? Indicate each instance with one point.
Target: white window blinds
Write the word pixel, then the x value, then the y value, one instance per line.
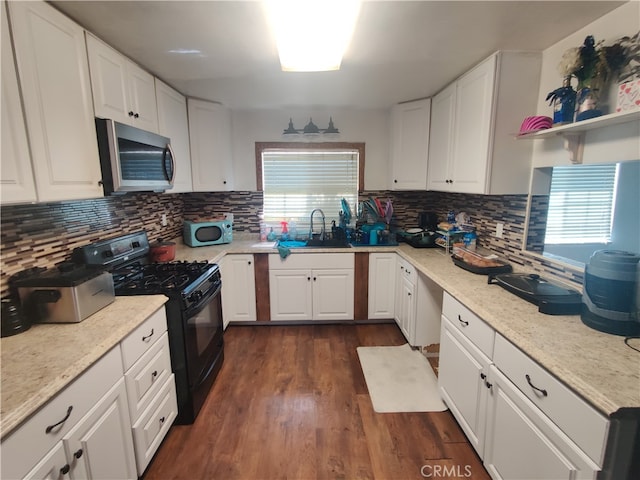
pixel 297 181
pixel 581 204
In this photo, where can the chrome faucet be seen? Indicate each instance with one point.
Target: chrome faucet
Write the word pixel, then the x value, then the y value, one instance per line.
pixel 323 225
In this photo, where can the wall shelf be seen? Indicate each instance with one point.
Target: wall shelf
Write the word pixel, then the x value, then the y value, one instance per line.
pixel 573 133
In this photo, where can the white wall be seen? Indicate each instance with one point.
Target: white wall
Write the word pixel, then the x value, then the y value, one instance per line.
pixel 600 145
pixel 369 126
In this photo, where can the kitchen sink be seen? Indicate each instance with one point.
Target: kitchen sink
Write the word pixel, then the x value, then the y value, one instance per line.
pixel 314 243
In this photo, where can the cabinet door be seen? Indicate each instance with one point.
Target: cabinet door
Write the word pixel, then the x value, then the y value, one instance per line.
pixel 238 288
pixel 474 112
pixel 410 139
pixel 109 82
pixel 333 295
pixel 441 142
pixel 101 442
pixel 52 466
pixel 407 316
pixel 54 76
pixel 16 175
pixel 210 141
pixel 173 123
pixel 290 294
pixel 142 95
pixel 522 443
pixel 382 285
pixel 463 370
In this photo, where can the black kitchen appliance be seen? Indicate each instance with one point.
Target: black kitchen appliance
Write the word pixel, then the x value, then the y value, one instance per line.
pixel 194 310
pixel 551 298
pixel 422 236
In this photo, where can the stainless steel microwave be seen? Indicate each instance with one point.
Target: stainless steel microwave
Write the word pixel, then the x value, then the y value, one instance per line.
pixel 200 234
pixel 134 160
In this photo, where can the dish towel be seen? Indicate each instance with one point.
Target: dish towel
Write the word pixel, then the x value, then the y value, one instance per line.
pixel 284 251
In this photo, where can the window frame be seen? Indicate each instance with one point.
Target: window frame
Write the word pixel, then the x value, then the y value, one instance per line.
pixel 262 146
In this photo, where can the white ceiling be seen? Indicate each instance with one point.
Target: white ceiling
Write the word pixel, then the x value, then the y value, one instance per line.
pixel 401 50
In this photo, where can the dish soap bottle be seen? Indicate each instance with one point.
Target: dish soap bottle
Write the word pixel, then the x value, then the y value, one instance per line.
pixel 284 235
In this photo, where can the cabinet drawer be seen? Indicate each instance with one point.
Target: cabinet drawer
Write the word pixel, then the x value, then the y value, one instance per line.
pixel 147 375
pixel 407 270
pixel 143 337
pixel 578 420
pixel 154 424
pixel 311 261
pixel 29 443
pixel 481 334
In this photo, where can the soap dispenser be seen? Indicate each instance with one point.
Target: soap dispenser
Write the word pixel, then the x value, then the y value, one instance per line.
pixel 284 235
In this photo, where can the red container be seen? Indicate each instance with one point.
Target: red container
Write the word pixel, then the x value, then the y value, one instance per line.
pixel 161 251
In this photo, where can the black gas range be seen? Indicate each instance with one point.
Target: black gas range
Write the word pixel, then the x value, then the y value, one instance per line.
pixel 194 310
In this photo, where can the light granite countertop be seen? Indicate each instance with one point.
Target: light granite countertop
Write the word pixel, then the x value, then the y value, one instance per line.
pixel 598 366
pixel 39 363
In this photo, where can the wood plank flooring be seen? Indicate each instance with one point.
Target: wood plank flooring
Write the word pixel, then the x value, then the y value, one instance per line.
pixel 291 402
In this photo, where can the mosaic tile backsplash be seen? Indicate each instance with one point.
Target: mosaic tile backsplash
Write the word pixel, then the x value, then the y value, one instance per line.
pixel 45 234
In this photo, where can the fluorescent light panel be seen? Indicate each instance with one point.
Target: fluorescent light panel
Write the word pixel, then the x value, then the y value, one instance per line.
pixel 312 36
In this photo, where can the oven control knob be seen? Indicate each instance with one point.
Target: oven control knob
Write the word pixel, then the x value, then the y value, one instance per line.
pixel 195 296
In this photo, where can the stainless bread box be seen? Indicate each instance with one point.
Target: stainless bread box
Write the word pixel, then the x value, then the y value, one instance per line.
pixel 67 295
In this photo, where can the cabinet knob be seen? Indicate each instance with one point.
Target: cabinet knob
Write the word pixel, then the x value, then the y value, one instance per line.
pixel 308 279
pixel 483 376
pixel 154 374
pixel 314 279
pixel 395 181
pixel 78 453
pixel 488 385
pixel 131 113
pixel 136 115
pixel 64 470
pixel 249 262
pixel 224 182
pixel 162 419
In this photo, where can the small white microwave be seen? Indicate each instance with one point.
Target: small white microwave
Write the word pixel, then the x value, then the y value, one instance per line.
pixel 200 234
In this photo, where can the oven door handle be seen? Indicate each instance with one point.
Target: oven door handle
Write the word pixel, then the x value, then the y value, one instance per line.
pixel 198 307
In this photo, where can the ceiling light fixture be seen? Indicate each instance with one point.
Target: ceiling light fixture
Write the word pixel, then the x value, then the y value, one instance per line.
pixel 312 36
pixel 311 130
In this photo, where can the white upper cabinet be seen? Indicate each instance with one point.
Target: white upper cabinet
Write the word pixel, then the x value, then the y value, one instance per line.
pixel 54 78
pixel 173 123
pixel 210 140
pixel 122 91
pixel 472 149
pixel 16 178
pixel 410 145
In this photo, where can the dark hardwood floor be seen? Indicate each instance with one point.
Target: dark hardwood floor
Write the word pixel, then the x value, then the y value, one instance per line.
pixel 291 402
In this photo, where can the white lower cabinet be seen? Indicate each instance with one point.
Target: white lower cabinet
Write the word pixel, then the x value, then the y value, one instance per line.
pixel 238 289
pixel 312 286
pixel 418 303
pixel 521 441
pixel 100 445
pixel 382 285
pixel 151 386
pixel 81 431
pixel 463 370
pixel 103 425
pixel 521 420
